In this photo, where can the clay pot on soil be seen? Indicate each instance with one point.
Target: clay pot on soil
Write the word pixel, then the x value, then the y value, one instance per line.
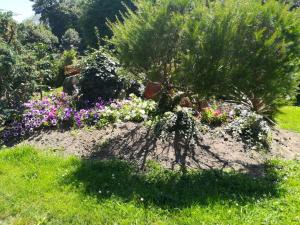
pixel 202 105
pixel 152 90
pixel 72 70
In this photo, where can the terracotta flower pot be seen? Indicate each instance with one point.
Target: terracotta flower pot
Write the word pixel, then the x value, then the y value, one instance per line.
pixel 152 90
pixel 72 70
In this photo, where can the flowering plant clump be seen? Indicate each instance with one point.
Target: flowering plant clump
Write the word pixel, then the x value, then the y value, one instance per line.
pixel 133 109
pixel 213 116
pixel 48 112
pixel 60 111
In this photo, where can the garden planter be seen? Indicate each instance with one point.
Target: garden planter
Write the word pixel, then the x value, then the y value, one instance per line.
pixel 72 70
pixel 152 90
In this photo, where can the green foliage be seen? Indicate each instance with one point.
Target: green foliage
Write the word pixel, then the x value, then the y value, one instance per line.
pixel 95 14
pixel 28 62
pixel 148 42
pixel 16 80
pixel 8 27
pixel 50 70
pixel 70 40
pixel 243 50
pixel 69 57
pixel 59 14
pixel 252 128
pixel 180 125
pixel 99 77
pixel 213 116
pixel 31 34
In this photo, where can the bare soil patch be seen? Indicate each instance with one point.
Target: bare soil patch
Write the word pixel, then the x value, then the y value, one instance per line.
pixel 137 144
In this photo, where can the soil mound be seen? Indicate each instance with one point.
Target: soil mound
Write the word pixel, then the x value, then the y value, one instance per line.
pixel 136 143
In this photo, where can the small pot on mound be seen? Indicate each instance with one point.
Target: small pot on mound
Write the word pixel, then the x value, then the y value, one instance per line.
pixel 152 90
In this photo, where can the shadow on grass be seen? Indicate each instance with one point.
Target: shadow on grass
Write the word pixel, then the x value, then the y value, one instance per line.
pixel 171 189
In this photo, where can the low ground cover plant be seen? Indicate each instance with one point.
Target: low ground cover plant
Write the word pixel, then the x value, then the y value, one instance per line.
pixel 251 127
pixel 213 116
pixel 62 111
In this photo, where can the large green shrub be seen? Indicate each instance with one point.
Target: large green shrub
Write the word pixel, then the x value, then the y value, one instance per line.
pixel 99 77
pixel 27 62
pixel 30 33
pixel 70 39
pixel 243 50
pixel 149 41
pixel 8 27
pixel 102 76
pixel 60 15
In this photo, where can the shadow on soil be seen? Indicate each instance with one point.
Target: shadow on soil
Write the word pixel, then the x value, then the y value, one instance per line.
pixel 171 189
pixel 139 144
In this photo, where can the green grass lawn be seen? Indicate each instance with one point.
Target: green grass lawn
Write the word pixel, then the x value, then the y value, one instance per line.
pixel 41 188
pixel 289 118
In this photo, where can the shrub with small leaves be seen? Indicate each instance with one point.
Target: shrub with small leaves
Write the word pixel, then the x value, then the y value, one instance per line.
pixel 99 77
pixel 251 128
pixel 181 123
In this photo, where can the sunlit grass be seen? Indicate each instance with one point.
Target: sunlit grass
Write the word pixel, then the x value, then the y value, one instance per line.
pixel 289 118
pixel 41 188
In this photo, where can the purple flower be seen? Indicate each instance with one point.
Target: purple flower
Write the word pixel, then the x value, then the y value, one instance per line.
pixel 54 122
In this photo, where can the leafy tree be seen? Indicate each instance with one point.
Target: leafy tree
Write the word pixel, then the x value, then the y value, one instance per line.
pixel 70 40
pixel 8 27
pixel 95 14
pixel 30 33
pixel 242 50
pixel 59 14
pixel 38 41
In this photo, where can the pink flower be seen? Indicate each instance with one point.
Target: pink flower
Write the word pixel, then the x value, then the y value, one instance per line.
pixel 217 112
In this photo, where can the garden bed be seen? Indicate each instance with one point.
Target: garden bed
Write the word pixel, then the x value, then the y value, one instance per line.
pixel 221 136
pixel 135 143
